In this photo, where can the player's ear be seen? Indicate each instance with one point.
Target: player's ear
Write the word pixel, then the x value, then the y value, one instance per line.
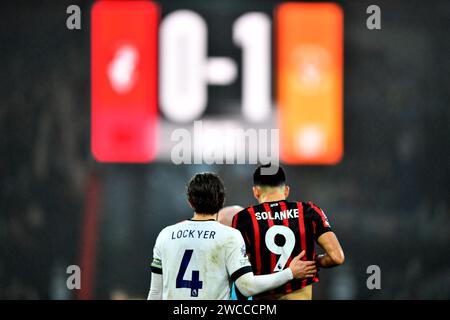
pixel 190 204
pixel 256 192
pixel 286 191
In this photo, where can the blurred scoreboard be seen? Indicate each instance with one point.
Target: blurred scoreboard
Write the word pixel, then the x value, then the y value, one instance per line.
pixel 159 66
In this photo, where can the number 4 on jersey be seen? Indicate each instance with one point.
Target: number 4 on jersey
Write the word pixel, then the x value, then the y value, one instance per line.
pixel 195 284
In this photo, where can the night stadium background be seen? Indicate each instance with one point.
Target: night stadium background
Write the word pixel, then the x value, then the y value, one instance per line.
pixel 387 198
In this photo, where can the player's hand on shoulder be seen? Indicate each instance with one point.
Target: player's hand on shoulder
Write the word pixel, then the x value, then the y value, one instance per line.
pixel 302 269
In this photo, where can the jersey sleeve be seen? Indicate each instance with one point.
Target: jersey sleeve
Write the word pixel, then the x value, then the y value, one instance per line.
pixel 156 265
pixel 236 257
pixel 319 219
pixel 239 223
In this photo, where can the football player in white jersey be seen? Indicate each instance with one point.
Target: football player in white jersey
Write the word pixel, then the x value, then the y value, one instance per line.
pixel 199 258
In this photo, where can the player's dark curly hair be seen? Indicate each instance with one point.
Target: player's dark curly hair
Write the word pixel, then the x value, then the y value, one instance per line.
pixel 206 193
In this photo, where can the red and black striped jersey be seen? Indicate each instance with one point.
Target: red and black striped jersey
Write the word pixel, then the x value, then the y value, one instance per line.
pixel 275 232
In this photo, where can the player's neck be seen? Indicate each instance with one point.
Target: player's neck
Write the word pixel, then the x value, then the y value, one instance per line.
pixel 271 197
pixel 203 217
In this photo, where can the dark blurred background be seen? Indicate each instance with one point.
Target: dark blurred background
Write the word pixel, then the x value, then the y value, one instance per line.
pixel 388 200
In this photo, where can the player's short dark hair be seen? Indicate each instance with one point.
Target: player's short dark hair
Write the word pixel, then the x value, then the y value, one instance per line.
pixel 206 193
pixel 272 180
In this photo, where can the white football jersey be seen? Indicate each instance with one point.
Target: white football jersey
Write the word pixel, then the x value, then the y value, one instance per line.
pixel 199 260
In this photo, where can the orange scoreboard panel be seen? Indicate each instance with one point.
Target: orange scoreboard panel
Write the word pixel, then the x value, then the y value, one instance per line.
pixel 309 82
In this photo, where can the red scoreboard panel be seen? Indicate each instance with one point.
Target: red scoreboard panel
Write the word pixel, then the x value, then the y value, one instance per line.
pixel 127 73
pixel 124 68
